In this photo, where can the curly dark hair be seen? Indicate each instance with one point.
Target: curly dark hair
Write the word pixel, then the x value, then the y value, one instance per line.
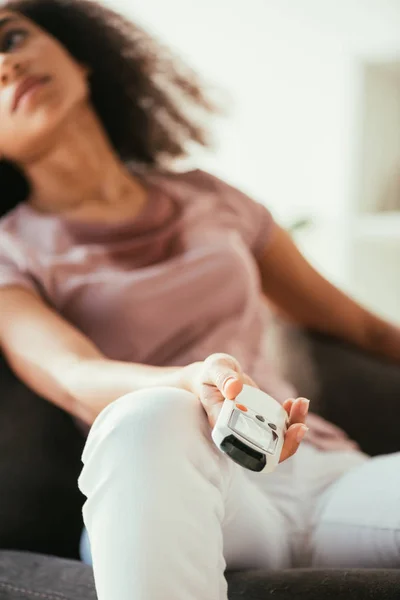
pixel 147 114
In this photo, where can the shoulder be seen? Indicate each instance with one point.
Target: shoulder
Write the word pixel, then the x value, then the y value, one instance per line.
pixel 223 194
pixel 199 182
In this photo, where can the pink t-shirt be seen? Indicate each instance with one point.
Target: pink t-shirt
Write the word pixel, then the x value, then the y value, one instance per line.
pixel 172 286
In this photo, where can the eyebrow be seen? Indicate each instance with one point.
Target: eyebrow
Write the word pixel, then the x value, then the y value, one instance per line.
pixel 6 20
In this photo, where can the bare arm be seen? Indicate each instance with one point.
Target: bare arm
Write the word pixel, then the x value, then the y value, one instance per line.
pixel 301 293
pixel 61 364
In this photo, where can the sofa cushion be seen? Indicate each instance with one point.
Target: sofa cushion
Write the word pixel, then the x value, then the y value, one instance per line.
pixel 309 584
pixel 354 389
pixel 28 576
pixel 358 392
pixel 25 576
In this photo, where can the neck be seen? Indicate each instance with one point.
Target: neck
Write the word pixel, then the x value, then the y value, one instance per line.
pixel 79 169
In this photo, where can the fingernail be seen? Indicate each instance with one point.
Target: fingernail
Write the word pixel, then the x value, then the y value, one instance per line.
pixel 301 433
pixel 304 404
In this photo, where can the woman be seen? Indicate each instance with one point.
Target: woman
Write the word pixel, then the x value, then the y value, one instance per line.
pixel 121 280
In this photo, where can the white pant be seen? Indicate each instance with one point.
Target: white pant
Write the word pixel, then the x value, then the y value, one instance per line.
pixel 167 512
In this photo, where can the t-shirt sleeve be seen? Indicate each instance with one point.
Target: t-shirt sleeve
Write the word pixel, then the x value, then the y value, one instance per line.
pixel 13 271
pixel 250 218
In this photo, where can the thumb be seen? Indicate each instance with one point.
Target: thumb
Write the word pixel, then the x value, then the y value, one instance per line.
pixel 224 372
pixel 221 378
pixel 212 398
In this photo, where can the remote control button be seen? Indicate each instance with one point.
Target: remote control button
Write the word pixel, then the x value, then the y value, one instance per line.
pixel 241 407
pixel 272 426
pixel 260 418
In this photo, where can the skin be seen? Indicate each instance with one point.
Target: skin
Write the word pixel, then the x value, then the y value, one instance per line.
pixel 55 136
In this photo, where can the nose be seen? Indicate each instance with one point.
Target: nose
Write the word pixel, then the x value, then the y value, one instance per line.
pixel 9 71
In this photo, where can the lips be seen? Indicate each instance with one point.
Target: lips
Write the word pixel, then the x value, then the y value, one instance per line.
pixel 27 85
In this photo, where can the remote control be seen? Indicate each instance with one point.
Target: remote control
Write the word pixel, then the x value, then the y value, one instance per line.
pixel 251 430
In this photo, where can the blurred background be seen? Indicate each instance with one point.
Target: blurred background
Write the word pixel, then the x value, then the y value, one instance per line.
pixel 312 130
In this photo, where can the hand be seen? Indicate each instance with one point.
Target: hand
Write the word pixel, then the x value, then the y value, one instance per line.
pixel 327 436
pixel 220 376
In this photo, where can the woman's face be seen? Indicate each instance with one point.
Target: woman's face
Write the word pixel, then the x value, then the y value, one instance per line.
pixel 40 86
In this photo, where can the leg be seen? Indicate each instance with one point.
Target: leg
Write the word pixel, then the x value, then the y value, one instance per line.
pixel 358 522
pixel 160 496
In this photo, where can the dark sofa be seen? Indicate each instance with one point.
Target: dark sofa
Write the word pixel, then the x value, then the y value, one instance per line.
pixel 40 461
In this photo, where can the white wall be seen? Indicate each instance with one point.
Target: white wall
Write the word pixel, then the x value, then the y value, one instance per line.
pixel 289 136
pixel 369 27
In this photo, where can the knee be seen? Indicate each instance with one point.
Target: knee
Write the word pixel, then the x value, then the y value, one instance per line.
pixel 154 420
pixel 155 439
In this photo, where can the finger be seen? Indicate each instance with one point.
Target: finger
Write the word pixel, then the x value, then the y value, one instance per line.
pixel 299 411
pixel 212 400
pixel 232 387
pixel 287 405
pixel 223 371
pixel 294 435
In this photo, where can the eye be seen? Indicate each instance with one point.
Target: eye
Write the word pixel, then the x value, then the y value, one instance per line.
pixel 12 39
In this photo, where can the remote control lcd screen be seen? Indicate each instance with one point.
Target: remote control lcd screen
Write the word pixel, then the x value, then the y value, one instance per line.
pixel 256 434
